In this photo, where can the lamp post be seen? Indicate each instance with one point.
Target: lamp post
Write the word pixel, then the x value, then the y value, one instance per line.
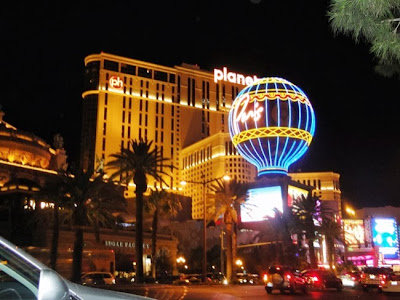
pixel 222 251
pixel 204 182
pixel 181 261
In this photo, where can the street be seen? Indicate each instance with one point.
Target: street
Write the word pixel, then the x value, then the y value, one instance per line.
pixel 204 292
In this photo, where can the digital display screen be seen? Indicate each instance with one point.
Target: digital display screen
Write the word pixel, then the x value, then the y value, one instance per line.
pixel 384 235
pixel 354 232
pixel 295 193
pixel 260 204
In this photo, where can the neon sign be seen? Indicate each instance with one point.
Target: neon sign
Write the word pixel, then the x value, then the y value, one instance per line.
pixel 233 77
pixel 354 232
pixel 271 124
pixel 116 82
pixel 243 115
pixel 384 232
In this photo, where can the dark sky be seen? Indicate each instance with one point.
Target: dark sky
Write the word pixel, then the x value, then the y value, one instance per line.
pixel 43 45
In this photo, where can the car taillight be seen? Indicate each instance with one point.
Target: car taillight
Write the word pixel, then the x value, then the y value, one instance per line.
pixel 288 276
pixel 315 279
pixel 353 278
pixel 362 276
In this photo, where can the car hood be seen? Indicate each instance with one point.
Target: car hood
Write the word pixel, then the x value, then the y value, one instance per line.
pixel 89 293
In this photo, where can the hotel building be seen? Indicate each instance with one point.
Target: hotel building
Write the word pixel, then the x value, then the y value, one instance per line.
pixel 326 187
pixel 183 110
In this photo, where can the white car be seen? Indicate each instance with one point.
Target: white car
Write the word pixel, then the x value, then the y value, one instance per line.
pixel 349 280
pixel 392 284
pixel 24 277
pixel 98 278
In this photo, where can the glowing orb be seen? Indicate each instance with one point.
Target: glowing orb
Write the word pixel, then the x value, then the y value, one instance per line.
pixel 271 123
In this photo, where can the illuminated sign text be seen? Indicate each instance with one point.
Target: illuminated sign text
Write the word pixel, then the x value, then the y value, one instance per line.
pixel 233 77
pixel 241 114
pixel 115 82
pixel 123 244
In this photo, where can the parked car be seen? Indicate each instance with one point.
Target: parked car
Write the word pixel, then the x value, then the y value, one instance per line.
pixel 372 277
pixel 216 278
pixel 98 278
pixel 24 277
pixel 180 279
pixel 351 279
pixel 322 280
pixel 247 278
pixel 284 279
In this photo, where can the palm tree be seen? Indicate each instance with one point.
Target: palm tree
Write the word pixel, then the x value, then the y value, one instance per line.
pixel 272 231
pixel 305 210
pixel 53 192
pixel 136 165
pixel 159 203
pixel 332 231
pixel 228 196
pixel 87 201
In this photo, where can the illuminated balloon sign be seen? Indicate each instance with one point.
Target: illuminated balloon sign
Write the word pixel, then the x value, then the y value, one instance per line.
pixel 271 123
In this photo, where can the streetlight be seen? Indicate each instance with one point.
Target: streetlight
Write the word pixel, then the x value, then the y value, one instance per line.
pixel 222 251
pixel 181 261
pixel 239 263
pixel 204 182
pixel 350 211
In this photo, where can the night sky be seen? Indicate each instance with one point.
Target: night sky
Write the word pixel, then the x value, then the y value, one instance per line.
pixel 43 46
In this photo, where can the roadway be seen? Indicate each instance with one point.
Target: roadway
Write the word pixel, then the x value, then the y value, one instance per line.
pixel 234 292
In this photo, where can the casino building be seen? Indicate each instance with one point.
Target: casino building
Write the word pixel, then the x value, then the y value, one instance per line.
pixel 27 165
pixel 183 110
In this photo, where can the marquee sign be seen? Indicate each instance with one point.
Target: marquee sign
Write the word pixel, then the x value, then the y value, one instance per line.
pixel 384 232
pixel 354 232
pixel 120 244
pixel 233 77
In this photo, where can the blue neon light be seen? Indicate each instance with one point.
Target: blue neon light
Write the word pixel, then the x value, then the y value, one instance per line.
pixel 261 140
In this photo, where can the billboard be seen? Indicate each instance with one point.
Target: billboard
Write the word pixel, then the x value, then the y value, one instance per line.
pixel 384 236
pixel 295 193
pixel 260 204
pixel 354 232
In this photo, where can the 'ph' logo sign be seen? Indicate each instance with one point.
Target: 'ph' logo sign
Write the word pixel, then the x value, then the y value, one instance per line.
pixel 116 82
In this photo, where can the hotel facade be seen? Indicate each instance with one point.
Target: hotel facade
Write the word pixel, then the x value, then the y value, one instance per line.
pixel 183 110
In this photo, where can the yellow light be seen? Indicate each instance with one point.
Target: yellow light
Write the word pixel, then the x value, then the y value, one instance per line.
pixel 226 178
pixel 350 211
pixel 181 259
pixel 272 132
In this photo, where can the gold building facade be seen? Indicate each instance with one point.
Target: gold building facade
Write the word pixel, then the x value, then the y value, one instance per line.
pixel 326 186
pixel 183 110
pixel 175 107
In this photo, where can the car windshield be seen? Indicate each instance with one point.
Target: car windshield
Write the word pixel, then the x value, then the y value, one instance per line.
pixel 13 268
